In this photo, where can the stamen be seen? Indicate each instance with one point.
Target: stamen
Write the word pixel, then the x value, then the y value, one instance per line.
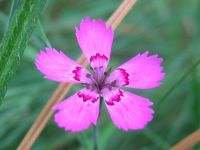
pixel 113 83
pixel 88 75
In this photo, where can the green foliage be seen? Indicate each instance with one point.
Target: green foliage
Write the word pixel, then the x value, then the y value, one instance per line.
pixel 23 18
pixel 169 28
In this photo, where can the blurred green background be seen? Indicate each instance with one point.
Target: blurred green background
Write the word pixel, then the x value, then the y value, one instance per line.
pixel 170 28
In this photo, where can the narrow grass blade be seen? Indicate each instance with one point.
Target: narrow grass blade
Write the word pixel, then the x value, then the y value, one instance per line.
pixel 19 30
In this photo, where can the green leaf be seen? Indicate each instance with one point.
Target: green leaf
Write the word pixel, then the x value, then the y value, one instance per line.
pixel 196 97
pixel 20 28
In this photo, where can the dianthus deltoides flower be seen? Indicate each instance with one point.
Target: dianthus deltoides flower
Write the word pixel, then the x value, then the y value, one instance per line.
pixel 128 111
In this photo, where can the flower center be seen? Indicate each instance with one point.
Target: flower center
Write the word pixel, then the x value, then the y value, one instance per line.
pixel 98 80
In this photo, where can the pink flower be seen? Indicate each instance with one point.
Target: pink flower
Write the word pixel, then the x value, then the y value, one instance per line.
pixel 128 111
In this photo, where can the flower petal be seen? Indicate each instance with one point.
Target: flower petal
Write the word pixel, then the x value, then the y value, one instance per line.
pixel 78 112
pixel 95 41
pixel 141 71
pixel 57 66
pixel 128 111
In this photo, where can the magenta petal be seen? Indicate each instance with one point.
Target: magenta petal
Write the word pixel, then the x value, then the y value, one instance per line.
pixel 95 41
pixel 141 71
pixel 57 66
pixel 78 112
pixel 128 111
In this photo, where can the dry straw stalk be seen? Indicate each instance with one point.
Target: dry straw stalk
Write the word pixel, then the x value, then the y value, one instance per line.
pixel 188 141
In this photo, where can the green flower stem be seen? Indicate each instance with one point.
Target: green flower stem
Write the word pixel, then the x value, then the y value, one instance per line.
pixel 96 130
pixel 95 137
